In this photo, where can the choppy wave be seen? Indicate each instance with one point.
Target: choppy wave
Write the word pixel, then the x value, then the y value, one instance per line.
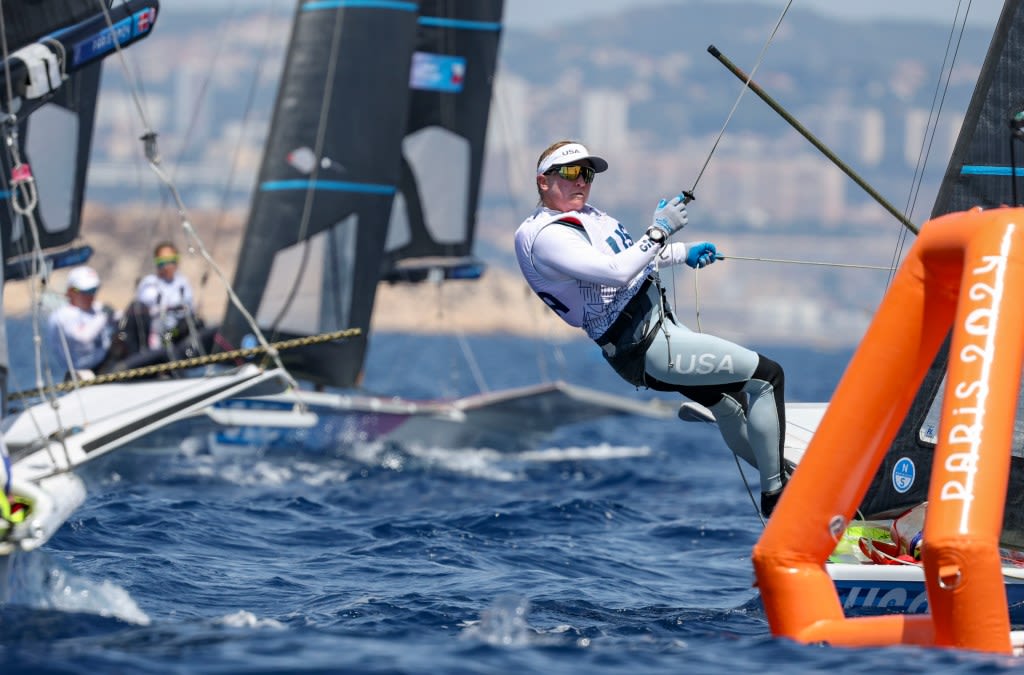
pixel 621 546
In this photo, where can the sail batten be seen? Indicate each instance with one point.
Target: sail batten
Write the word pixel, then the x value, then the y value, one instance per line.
pixel 1004 171
pixel 332 186
pixel 459 24
pixel 317 5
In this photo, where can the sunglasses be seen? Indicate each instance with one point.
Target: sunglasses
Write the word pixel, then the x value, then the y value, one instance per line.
pixel 165 260
pixel 573 171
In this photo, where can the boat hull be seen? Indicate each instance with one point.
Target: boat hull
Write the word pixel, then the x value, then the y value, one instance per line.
pixel 899 589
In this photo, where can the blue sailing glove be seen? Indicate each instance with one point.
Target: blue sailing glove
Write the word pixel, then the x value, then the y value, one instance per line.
pixel 701 255
pixel 670 216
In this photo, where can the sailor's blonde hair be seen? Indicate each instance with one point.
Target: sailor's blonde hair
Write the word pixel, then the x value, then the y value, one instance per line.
pixel 547 151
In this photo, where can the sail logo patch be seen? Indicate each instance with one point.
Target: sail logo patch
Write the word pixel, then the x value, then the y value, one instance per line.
pixel 903 474
pixel 120 33
pixel 437 72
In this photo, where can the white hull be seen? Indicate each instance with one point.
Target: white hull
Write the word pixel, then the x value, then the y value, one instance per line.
pixel 83 425
pixel 876 589
pixel 48 442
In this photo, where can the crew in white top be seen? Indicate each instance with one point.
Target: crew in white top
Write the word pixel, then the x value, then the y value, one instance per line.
pixel 167 295
pixel 82 325
pixel 586 267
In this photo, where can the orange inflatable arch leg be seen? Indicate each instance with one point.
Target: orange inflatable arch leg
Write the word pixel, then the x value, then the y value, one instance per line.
pixel 965 273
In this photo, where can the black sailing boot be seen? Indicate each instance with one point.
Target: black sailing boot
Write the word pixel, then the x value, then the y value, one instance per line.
pixel 770 499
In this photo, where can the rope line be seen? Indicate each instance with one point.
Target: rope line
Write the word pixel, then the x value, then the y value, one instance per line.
pixel 746 85
pixel 182 364
pixel 885 268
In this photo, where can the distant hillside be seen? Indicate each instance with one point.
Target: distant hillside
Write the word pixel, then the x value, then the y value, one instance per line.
pixel 813 59
pixel 865 88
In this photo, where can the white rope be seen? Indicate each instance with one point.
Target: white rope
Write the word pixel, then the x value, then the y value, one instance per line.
pixel 714 146
pixel 746 85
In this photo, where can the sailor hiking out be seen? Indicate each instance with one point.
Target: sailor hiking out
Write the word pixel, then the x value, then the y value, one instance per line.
pixel 585 266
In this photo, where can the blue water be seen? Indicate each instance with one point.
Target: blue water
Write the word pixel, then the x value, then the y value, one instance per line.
pixel 616 546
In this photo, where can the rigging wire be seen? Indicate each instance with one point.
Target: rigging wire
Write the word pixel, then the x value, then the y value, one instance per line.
pixel 927 143
pixel 934 115
pixel 152 155
pixel 884 268
pixel 201 98
pixel 743 90
pixel 690 194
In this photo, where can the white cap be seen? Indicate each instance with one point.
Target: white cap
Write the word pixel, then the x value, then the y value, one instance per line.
pixel 570 154
pixel 83 279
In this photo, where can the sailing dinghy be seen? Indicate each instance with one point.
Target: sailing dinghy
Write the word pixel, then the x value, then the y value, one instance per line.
pixel 385 190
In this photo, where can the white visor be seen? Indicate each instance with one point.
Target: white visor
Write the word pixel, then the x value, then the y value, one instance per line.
pixel 571 154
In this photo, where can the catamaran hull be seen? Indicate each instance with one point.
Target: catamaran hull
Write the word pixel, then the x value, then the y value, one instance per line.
pixel 252 410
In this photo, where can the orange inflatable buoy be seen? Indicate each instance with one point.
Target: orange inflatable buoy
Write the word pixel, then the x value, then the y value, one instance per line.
pixel 965 274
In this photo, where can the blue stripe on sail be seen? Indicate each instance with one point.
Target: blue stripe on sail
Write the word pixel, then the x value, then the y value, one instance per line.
pixel 970 170
pixel 328 185
pixel 462 24
pixel 4 195
pixel 371 4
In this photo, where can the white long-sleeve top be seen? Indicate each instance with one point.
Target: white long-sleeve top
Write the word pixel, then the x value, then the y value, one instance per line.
pixel 585 266
pixel 87 333
pixel 169 302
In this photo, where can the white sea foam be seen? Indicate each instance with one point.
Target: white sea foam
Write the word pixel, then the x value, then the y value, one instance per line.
pixel 38 581
pixel 593 452
pixel 245 619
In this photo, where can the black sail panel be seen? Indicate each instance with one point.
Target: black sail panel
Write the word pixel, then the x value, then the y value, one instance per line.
pixel 311 255
pixel 451 79
pixel 979 168
pixel 981 172
pixel 55 129
pixel 55 141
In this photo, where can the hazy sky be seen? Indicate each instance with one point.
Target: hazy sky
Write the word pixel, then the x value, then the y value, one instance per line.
pixel 537 13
